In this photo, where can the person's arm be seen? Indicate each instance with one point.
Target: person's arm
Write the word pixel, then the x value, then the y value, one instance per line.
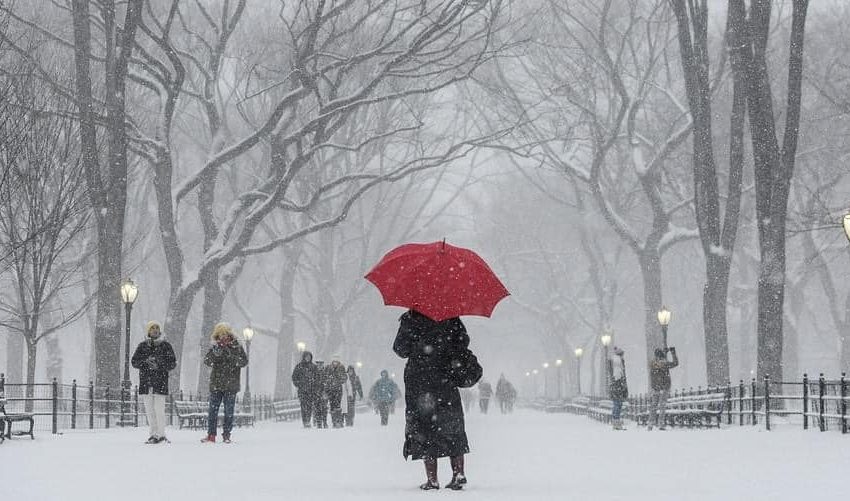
pixel 675 361
pixel 213 355
pixel 404 339
pixel 238 355
pixel 170 359
pixel 139 356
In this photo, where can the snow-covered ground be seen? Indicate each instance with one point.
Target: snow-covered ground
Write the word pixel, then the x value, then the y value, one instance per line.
pixel 527 455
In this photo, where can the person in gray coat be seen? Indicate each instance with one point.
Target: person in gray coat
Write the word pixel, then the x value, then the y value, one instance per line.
pixel 659 381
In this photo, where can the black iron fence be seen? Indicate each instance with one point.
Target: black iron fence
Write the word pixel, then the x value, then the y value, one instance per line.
pixel 58 406
pixel 819 404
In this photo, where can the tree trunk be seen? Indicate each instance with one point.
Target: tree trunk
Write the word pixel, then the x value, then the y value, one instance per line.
pixel 176 318
pixel 212 311
pixel 650 267
pixel 771 299
pixel 31 359
pixel 286 349
pixel 715 296
pixel 107 333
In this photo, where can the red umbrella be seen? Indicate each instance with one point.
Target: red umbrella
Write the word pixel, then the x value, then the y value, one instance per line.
pixel 438 280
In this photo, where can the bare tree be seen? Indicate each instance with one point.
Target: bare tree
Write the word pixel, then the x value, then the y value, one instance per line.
pixel 717 238
pixel 748 37
pixel 43 211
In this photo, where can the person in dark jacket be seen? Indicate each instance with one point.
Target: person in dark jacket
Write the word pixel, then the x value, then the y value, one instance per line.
pixel 383 395
pixel 618 390
pixel 353 389
pixel 438 362
pixel 154 357
pixel 335 379
pixel 226 357
pixel 503 393
pixel 485 392
pixel 305 378
pixel 659 381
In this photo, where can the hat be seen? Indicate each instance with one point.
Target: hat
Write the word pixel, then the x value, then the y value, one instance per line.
pixel 618 351
pixel 150 325
pixel 384 373
pixel 221 329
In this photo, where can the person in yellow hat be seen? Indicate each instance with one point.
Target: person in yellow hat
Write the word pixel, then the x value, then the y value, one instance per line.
pixel 226 357
pixel 154 357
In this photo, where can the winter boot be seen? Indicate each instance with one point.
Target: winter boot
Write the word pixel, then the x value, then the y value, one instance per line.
pixel 457 483
pixel 152 440
pixel 209 439
pixel 226 438
pixel 431 474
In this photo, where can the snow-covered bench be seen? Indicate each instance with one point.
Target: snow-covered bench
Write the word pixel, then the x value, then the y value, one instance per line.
pixel 194 413
pixel 690 410
pixel 286 410
pixel 7 418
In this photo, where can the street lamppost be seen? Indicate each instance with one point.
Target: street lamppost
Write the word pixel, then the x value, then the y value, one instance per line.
pixel 664 320
pixel 247 333
pixel 129 291
pixel 545 380
pixel 558 364
pixel 534 381
pixel 606 341
pixel 579 352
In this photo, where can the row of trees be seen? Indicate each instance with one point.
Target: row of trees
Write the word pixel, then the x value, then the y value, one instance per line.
pixel 241 136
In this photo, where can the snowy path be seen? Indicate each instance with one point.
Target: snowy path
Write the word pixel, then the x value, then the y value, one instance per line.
pixel 527 455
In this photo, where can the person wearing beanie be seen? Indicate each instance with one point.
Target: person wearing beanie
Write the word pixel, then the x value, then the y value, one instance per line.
pixel 226 357
pixel 383 395
pixel 154 357
pixel 618 390
pixel 659 383
pixel 335 378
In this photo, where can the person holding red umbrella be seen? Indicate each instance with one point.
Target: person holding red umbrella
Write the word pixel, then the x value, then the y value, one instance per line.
pixel 438 283
pixel 438 363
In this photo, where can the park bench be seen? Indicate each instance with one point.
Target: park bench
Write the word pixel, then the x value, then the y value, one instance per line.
pixel 7 418
pixel 193 414
pixel 690 410
pixel 286 410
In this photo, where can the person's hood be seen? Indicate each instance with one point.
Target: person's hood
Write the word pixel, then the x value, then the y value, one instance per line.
pixel 306 354
pixel 221 329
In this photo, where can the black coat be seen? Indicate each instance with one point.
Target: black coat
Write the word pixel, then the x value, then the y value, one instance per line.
pixel 434 412
pixel 305 377
pixel 154 359
pixel 618 389
pixel 226 362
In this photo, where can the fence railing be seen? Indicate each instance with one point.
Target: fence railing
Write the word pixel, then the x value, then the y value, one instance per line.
pixel 809 403
pixel 58 406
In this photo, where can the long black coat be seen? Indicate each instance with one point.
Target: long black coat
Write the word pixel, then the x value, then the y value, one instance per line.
pixel 154 376
pixel 434 412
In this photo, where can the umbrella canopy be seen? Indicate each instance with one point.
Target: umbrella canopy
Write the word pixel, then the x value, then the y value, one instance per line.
pixel 438 280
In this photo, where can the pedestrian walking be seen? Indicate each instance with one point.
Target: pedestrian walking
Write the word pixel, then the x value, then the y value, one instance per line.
pixel 485 391
pixel 503 393
pixel 353 389
pixel 618 390
pixel 320 397
pixel 438 363
pixel 383 395
pixel 335 378
pixel 659 378
pixel 226 358
pixel 305 378
pixel 154 357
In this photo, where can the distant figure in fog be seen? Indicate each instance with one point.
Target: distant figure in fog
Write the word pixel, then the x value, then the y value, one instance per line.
pixel 335 379
pixel 305 377
pixel 467 395
pixel 485 391
pixel 353 389
pixel 383 395
pixel 503 394
pixel 438 363
pixel 618 390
